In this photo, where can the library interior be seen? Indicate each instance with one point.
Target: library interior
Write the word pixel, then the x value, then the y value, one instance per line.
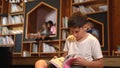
pixel 31 30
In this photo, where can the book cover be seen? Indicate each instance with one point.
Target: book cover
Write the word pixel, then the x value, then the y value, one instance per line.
pixel 68 60
pixel 57 62
pixel 62 62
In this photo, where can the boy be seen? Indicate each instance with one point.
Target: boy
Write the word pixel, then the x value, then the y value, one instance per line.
pixel 85 47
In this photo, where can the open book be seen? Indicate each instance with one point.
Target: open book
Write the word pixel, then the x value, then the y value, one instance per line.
pixel 63 62
pixel 57 62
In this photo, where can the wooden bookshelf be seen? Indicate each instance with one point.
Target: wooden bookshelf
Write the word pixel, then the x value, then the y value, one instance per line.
pixel 106 21
pixel 114 24
pixel 16 25
pixel 40 12
pixel 41 48
pixel 100 19
pixel 37 16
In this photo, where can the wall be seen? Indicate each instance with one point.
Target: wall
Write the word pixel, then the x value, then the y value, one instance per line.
pixel 114 23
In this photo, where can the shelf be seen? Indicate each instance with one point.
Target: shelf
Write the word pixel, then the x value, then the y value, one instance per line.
pixel 16 7
pixel 64 28
pixel 90 2
pixel 7 45
pixel 97 12
pixel 37 16
pixel 14 54
pixel 13 25
pixel 17 13
pixel 116 53
pixel 90 7
pixel 50 41
pixel 7 35
pixel 49 53
pixel 29 42
pixel 86 2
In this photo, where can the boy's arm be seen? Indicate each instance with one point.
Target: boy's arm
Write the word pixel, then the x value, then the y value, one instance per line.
pixel 95 64
pixel 65 54
pixel 90 64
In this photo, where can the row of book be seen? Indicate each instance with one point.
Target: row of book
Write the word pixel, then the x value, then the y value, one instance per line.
pixel 89 9
pixel 78 1
pixel 14 1
pixel 16 7
pixel 6 31
pixel 65 34
pixel 4 20
pixel 35 48
pixel 18 1
pixel 16 19
pixel 65 22
pixel 4 40
pixel 48 48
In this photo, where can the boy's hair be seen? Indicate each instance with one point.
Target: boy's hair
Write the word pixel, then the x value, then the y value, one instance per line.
pixel 77 20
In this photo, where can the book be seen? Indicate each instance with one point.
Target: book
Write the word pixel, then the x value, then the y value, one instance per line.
pixel 63 62
pixel 35 48
pixel 57 62
pixel 68 60
pixel 4 21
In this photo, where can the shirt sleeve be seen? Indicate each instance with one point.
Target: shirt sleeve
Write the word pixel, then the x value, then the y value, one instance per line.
pixel 96 50
pixel 66 46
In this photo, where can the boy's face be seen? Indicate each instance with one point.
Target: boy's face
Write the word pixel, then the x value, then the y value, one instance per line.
pixel 77 32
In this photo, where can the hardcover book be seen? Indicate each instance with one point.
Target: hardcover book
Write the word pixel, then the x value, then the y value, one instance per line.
pixel 57 62
pixel 63 62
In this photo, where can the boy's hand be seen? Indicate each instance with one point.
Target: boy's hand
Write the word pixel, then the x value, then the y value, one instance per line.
pixel 54 57
pixel 80 61
pixel 71 38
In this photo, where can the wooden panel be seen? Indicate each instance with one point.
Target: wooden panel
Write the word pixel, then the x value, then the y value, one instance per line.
pixel 114 23
pixel 4 7
pixel 66 5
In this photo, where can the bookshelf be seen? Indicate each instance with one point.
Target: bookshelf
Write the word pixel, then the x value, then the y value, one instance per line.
pixel 15 24
pixel 28 22
pixel 40 48
pixel 16 17
pixel 97 11
pixel 3 12
pixel 32 48
pixel 7 39
pixel 89 6
pixel 99 18
pixel 35 19
pixel 39 12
